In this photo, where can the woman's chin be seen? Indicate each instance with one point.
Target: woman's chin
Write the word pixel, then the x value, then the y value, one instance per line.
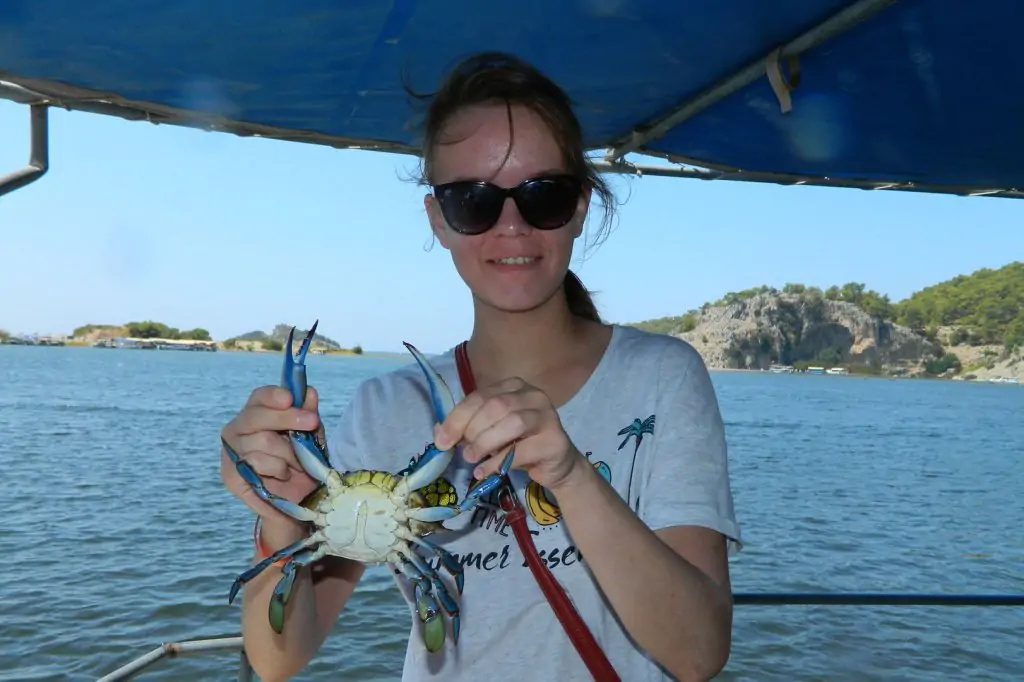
pixel 519 300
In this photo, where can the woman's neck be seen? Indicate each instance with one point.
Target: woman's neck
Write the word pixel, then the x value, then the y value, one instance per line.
pixel 535 345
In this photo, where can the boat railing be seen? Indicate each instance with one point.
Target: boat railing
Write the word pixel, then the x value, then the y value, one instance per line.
pixel 245 673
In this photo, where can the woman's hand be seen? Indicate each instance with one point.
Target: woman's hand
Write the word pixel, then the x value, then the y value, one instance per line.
pixel 492 418
pixel 256 435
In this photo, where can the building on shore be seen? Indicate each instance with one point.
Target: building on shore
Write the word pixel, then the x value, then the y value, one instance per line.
pixel 161 344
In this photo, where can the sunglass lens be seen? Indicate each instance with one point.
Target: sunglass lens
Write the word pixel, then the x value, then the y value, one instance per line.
pixel 550 203
pixel 470 208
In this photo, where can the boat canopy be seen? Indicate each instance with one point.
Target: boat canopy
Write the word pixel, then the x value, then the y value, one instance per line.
pixel 916 95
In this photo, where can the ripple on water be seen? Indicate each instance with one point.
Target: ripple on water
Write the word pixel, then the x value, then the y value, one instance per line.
pixel 839 485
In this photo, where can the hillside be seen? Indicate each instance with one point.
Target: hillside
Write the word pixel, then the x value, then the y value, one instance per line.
pixel 147 329
pixel 251 341
pixel 279 335
pixel 275 340
pixel 972 326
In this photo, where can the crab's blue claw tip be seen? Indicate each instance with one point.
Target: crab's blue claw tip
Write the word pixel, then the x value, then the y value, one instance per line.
pixel 441 398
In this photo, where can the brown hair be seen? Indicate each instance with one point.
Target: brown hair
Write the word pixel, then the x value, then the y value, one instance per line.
pixel 497 77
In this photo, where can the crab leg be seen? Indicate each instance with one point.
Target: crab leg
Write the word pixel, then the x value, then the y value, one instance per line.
pixel 312 457
pixel 431 596
pixel 450 563
pixel 428 609
pixel 250 476
pixel 284 553
pixel 283 590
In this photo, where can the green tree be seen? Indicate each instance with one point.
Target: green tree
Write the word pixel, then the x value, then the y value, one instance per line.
pixel 987 304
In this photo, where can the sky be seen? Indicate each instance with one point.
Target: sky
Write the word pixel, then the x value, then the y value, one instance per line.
pixel 135 221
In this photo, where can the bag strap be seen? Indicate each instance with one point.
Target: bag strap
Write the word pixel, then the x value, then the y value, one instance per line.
pixel 515 516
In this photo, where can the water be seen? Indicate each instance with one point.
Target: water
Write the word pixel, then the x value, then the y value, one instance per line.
pixel 117 534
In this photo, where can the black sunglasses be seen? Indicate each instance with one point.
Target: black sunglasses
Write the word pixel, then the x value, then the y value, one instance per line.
pixel 546 203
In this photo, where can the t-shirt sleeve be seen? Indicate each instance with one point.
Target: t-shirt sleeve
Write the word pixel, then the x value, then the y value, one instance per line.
pixel 686 472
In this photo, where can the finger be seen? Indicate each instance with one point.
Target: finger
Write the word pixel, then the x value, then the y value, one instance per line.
pixel 278 398
pixel 492 443
pixel 312 403
pixel 268 465
pixel 272 443
pixel 491 413
pixel 492 464
pixel 256 418
pixel 450 431
pixel 270 396
pixel 453 429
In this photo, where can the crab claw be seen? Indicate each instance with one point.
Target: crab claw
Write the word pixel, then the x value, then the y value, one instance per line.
pixel 430 616
pixel 293 376
pixel 434 461
pixel 311 455
pixel 441 398
pixel 490 483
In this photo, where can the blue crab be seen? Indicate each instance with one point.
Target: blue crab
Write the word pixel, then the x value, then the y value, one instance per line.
pixel 374 517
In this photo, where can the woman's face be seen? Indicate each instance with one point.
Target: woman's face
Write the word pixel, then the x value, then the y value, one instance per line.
pixel 479 150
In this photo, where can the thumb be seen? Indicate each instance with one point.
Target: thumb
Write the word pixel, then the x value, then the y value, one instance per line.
pixel 312 400
pixel 312 404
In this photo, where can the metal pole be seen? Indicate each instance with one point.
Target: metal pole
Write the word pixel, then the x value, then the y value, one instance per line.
pixel 838 23
pixel 39 156
pixel 875 599
pixel 626 168
pixel 172 650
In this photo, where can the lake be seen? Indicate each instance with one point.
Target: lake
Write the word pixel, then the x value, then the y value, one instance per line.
pixel 118 533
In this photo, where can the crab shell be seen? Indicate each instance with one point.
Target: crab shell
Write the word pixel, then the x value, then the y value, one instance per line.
pixel 363 518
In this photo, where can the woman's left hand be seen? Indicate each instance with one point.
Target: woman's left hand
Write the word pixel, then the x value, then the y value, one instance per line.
pixel 492 418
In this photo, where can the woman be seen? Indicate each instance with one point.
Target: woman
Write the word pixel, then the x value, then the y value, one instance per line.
pixel 618 430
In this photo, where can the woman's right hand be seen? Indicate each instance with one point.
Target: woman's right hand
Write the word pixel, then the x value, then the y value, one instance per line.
pixel 256 436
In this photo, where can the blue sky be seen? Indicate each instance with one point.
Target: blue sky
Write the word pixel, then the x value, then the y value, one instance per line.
pixel 135 221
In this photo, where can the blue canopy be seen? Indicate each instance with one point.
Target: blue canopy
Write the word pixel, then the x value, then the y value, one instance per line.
pixel 920 95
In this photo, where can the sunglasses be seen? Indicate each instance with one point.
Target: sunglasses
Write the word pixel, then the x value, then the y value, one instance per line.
pixel 546 203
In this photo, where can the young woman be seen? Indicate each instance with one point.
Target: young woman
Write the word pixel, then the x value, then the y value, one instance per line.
pixel 620 456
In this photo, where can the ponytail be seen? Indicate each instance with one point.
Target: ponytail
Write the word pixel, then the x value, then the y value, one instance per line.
pixel 580 302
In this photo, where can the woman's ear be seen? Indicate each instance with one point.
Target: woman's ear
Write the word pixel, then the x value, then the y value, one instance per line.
pixel 581 211
pixel 437 222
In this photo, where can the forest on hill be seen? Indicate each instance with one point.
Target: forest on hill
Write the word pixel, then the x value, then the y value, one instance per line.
pixel 985 307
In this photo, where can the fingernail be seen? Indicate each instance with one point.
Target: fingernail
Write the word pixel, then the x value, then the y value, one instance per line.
pixel 306 420
pixel 441 439
pixel 478 473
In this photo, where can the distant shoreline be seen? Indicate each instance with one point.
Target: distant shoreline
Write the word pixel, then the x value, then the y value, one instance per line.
pixel 219 348
pixel 381 355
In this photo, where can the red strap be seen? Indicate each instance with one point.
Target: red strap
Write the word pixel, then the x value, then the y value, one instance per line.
pixel 581 637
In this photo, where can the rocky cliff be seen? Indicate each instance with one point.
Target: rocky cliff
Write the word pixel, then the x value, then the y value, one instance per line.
pixel 791 328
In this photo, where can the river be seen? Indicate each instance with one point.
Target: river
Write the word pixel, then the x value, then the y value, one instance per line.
pixel 118 534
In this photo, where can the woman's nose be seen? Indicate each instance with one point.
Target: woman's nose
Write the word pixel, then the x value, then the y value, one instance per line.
pixel 511 221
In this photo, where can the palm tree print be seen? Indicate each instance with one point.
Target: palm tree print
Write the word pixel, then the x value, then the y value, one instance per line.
pixel 635 430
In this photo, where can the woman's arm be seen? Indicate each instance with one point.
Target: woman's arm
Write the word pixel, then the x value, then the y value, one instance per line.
pixel 670 586
pixel 670 589
pixel 319 594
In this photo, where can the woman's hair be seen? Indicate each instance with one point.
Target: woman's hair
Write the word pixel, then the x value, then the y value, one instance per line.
pixel 494 77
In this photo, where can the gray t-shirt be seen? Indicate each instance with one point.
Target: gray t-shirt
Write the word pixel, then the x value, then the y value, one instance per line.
pixel 649 421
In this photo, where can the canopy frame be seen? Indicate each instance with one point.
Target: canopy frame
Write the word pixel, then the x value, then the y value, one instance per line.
pixel 41 94
pixel 840 22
